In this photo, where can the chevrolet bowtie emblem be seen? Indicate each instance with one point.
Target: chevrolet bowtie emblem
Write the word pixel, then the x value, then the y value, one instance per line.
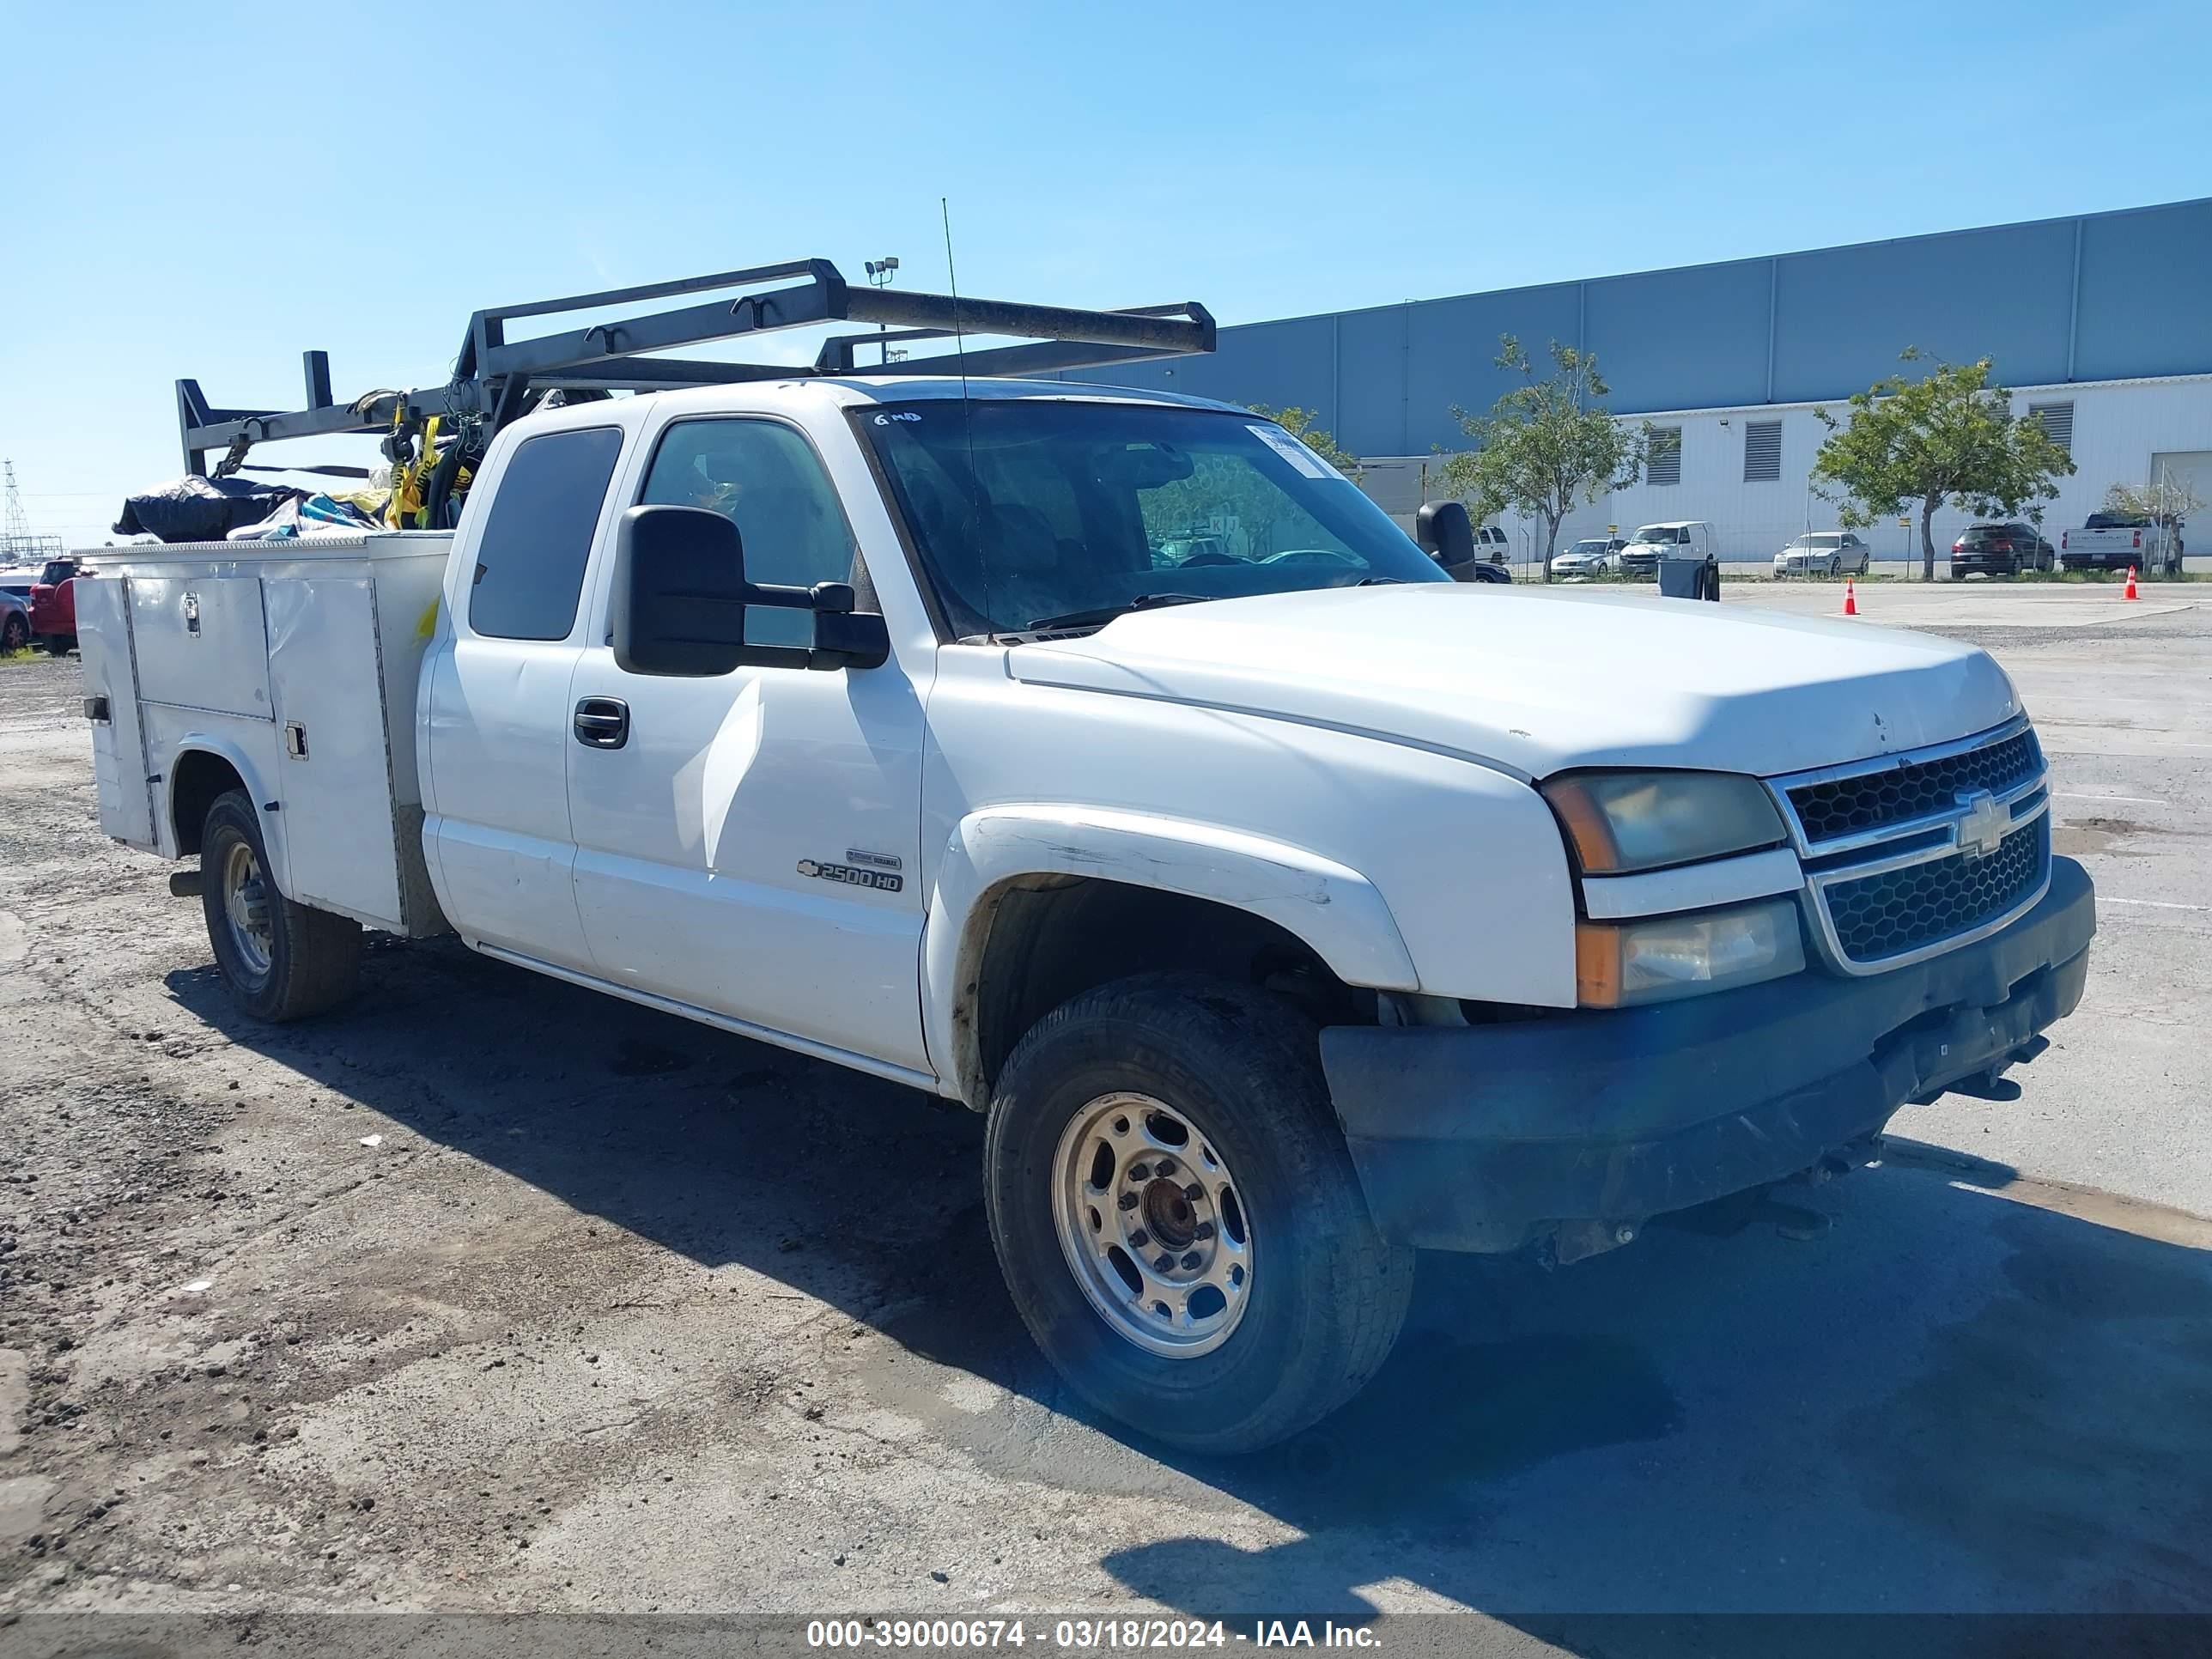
pixel 1982 831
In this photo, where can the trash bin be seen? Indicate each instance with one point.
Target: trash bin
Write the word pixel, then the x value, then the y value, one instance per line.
pixel 1679 578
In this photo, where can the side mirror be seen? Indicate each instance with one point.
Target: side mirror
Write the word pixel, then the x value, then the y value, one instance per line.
pixel 1447 535
pixel 680 598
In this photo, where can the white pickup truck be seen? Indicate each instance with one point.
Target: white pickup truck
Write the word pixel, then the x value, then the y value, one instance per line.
pixel 1286 909
pixel 2123 541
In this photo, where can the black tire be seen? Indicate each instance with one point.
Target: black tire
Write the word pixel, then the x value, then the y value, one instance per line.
pixel 314 958
pixel 14 633
pixel 1712 583
pixel 1326 1293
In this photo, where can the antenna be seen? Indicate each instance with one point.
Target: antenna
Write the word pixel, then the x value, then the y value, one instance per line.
pixel 967 418
pixel 959 339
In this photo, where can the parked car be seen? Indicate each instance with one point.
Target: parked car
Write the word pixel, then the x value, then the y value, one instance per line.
pixel 14 615
pixel 1824 553
pixel 1689 540
pixel 53 606
pixel 2119 540
pixel 2001 549
pixel 1594 556
pixel 1492 545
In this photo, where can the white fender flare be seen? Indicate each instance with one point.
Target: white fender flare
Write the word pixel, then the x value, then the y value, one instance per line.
pixel 1333 909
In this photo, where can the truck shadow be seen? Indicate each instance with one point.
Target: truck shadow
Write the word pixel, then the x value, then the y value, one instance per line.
pixel 1952 1401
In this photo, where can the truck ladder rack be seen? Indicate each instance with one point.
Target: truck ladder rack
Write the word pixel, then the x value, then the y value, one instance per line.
pixel 496 379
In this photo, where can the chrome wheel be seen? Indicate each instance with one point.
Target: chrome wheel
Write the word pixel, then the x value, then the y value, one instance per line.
pixel 245 909
pixel 1152 1224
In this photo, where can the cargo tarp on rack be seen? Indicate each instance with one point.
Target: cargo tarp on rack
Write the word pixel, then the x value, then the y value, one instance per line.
pixel 197 509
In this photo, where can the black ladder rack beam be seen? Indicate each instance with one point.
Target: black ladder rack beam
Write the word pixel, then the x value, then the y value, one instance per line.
pixel 496 378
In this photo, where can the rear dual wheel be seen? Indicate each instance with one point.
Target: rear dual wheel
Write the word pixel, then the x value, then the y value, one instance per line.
pixel 1178 1219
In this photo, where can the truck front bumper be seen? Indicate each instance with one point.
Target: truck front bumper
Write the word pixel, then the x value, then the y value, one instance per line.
pixel 1584 1123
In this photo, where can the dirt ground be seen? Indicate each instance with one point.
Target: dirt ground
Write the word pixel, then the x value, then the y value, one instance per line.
pixel 489 1293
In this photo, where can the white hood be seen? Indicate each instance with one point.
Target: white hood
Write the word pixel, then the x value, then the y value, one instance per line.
pixel 1538 681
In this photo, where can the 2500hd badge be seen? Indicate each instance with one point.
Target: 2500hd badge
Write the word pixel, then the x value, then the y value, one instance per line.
pixel 884 881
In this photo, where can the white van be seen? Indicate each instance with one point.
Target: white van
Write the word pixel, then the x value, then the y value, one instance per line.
pixel 1689 540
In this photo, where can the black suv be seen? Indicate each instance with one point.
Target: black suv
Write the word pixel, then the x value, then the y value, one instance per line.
pixel 2001 549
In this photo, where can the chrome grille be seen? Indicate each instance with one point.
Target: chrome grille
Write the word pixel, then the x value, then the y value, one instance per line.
pixel 1913 854
pixel 1912 789
pixel 1899 911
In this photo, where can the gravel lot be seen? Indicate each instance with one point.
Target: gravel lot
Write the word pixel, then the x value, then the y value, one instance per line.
pixel 488 1293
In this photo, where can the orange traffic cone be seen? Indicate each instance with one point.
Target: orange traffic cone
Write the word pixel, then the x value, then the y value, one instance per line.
pixel 1851 598
pixel 2129 593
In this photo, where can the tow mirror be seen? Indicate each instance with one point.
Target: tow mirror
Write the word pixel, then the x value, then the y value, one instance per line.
pixel 1446 534
pixel 681 599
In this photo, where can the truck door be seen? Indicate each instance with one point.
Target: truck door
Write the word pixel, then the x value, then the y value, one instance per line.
pixel 496 722
pixel 749 843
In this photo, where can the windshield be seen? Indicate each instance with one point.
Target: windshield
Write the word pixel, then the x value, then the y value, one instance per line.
pixel 1656 532
pixel 1588 547
pixel 1024 509
pixel 1817 541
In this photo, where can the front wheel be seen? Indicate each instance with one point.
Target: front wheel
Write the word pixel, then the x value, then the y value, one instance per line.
pixel 282 961
pixel 1177 1217
pixel 14 633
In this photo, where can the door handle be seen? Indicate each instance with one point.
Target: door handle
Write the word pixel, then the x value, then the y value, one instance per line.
pixel 602 722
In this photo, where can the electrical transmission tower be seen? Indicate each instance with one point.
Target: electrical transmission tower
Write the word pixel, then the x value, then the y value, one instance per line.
pixel 17 544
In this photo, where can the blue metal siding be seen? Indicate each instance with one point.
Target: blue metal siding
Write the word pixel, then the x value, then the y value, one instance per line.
pixel 2146 294
pixel 1455 352
pixel 1279 364
pixel 1797 327
pixel 1371 366
pixel 1682 339
pixel 1846 314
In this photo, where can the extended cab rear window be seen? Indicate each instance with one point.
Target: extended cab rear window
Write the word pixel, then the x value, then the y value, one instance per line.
pixel 530 558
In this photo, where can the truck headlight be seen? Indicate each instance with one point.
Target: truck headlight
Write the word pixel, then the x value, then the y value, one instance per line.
pixel 1618 964
pixel 1619 822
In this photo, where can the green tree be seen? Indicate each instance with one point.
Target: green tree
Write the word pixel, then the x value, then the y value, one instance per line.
pixel 1299 423
pixel 1950 436
pixel 1548 445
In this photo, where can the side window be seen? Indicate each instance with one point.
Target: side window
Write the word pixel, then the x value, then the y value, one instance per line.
pixel 765 478
pixel 530 560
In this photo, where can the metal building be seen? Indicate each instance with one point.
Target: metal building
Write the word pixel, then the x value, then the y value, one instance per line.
pixel 2107 317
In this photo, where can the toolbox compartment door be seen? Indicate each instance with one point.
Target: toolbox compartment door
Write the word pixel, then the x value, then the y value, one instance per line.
pixel 333 776
pixel 111 692
pixel 200 644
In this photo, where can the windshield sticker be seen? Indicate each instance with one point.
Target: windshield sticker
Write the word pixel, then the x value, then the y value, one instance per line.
pixel 1292 451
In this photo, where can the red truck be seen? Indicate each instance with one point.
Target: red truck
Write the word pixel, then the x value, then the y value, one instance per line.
pixel 53 606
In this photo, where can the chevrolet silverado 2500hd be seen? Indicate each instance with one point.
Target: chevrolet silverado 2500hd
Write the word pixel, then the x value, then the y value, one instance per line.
pixel 1287 906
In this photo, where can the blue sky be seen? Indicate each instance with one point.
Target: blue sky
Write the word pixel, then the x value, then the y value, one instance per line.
pixel 208 191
